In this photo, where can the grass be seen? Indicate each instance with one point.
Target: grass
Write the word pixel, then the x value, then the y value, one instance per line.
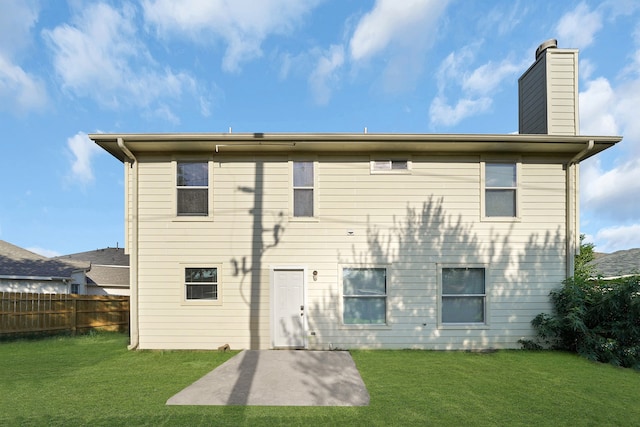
pixel 94 380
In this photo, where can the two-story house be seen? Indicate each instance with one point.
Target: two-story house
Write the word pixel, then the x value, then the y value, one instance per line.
pixel 320 241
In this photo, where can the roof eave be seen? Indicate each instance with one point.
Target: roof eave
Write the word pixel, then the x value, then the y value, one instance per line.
pixel 569 145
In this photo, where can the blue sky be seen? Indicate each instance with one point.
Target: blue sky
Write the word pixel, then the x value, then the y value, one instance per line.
pixel 432 66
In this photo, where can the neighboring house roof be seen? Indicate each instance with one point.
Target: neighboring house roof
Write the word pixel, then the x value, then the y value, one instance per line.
pixel 106 256
pixel 109 266
pixel 620 263
pixel 108 275
pixel 16 262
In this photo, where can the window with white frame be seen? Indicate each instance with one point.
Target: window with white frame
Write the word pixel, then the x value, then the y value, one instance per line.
pixel 201 283
pixel 303 188
pixel 192 184
pixel 390 166
pixel 500 190
pixel 364 292
pixel 463 295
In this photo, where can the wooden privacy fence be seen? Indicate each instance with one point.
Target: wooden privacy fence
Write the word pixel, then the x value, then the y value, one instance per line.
pixel 26 313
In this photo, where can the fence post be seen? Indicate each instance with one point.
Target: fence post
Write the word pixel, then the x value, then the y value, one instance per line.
pixel 74 316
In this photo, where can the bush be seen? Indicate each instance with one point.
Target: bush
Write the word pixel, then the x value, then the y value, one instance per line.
pixel 598 319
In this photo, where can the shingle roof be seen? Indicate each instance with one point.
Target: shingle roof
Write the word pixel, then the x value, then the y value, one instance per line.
pixel 106 275
pixel 618 263
pixel 109 266
pixel 106 256
pixel 16 261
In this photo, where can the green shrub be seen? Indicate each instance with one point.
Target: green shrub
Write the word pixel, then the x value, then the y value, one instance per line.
pixel 598 319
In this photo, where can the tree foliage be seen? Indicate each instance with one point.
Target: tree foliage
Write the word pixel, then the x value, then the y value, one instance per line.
pixel 598 319
pixel 582 267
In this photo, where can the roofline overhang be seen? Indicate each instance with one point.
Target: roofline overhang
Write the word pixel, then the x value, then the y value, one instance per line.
pixel 41 278
pixel 570 146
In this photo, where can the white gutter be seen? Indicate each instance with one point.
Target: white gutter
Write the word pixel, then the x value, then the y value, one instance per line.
pixel 42 278
pixel 575 159
pixel 573 207
pixel 133 272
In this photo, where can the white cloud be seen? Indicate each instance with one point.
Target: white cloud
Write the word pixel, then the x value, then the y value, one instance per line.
pixel 324 76
pixel 597 105
pixel 611 194
pixel 101 56
pixel 164 113
pixel 617 238
pixel 504 18
pixel 17 17
pixel 452 68
pixel 578 27
pixel 205 106
pixel 242 25
pixel 488 77
pixel 441 113
pixel 405 24
pixel 620 7
pixel 399 33
pixel 83 151
pixel 19 90
pixel 472 87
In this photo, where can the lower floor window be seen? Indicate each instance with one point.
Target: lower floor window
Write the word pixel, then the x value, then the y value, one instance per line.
pixel 364 292
pixel 463 295
pixel 201 283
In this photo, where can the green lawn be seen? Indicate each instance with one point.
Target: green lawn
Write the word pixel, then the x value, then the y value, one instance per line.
pixel 95 380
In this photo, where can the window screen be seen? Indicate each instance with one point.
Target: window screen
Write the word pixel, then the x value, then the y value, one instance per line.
pixel 364 295
pixel 500 189
pixel 303 181
pixel 463 295
pixel 201 283
pixel 192 188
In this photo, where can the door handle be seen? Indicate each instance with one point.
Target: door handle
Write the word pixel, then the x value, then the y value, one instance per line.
pixel 301 307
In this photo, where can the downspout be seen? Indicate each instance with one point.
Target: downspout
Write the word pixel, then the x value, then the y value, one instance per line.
pixel 573 207
pixel 133 253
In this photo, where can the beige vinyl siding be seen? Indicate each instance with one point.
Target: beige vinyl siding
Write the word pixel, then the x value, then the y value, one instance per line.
pixel 563 96
pixel 406 222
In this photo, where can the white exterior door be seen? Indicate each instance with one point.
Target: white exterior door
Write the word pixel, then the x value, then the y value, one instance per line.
pixel 288 308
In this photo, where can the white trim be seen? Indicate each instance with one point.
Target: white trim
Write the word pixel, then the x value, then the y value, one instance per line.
pixel 517 161
pixel 314 160
pixel 487 310
pixel 374 160
pixel 183 288
pixel 210 166
pixel 388 271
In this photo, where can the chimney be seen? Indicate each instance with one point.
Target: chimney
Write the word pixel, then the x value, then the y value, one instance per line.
pixel 548 92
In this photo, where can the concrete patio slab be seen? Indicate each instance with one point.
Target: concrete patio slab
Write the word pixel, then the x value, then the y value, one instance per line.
pixel 279 378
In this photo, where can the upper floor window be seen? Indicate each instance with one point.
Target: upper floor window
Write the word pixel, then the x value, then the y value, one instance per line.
pixel 303 188
pixel 500 190
pixel 192 182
